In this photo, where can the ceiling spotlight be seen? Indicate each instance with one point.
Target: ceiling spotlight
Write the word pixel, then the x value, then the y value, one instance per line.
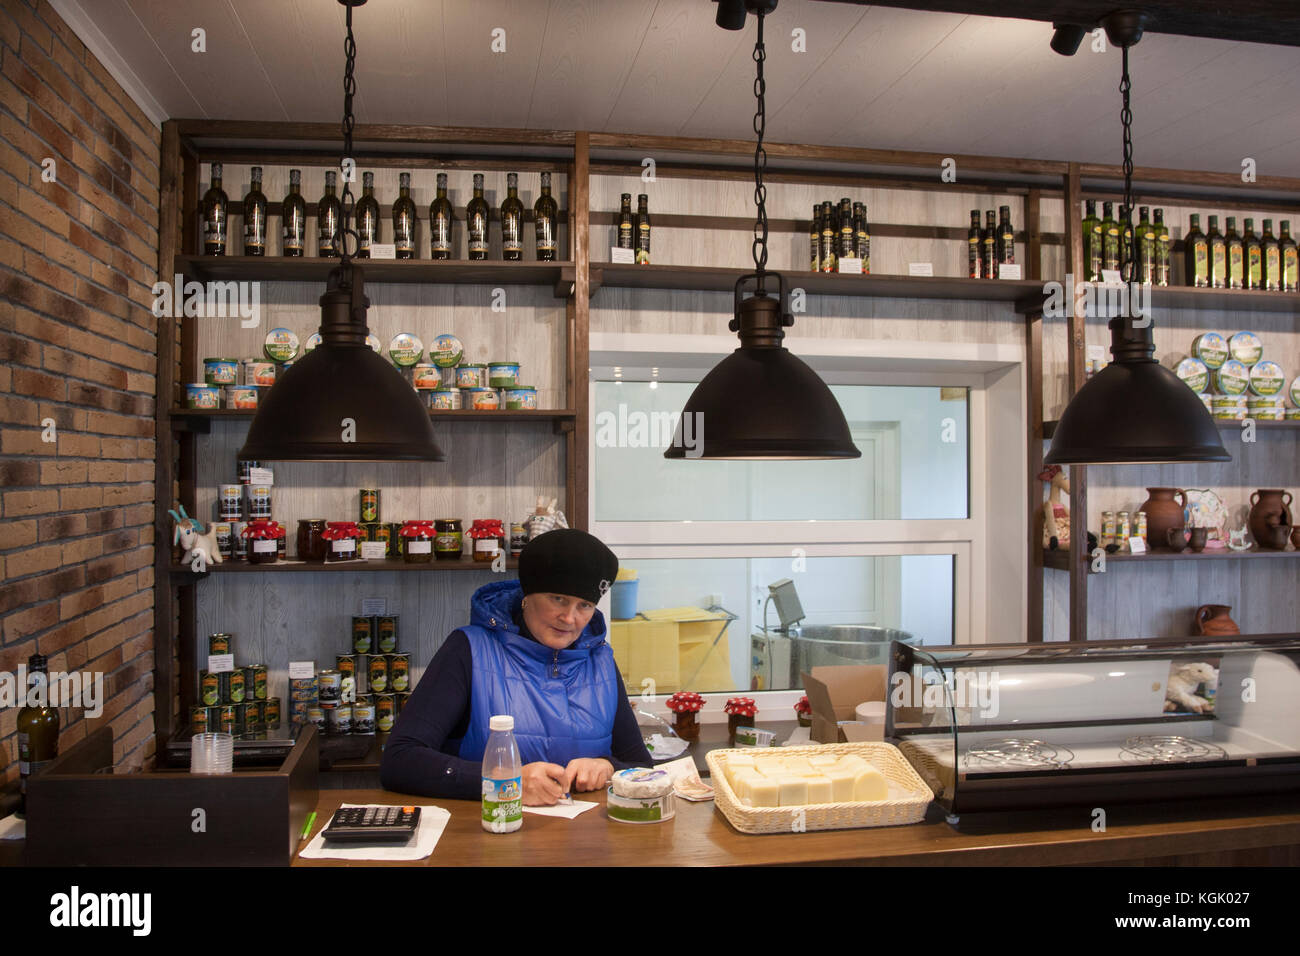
pixel 1067 37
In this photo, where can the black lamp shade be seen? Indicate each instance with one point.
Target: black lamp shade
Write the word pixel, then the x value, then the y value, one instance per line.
pixel 1135 412
pixel 762 403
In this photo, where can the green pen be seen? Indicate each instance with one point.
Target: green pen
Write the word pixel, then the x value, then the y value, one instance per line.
pixel 307 829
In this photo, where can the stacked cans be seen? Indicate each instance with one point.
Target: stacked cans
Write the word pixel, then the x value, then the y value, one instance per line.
pixel 236 701
pixel 237 504
pixel 381 672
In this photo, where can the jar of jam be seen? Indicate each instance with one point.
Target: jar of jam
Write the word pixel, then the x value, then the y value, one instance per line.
pixel 342 538
pixel 488 538
pixel 449 542
pixel 417 538
pixel 740 713
pixel 263 541
pixel 311 544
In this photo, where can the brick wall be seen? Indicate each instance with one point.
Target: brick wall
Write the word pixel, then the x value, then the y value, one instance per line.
pixel 78 257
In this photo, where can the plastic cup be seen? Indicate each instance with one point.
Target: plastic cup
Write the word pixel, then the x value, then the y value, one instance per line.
pixel 212 753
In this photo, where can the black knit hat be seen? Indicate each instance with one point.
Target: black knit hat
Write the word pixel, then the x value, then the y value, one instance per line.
pixel 567 561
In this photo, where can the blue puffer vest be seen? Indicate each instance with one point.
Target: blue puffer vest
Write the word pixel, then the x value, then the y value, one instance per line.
pixel 563 702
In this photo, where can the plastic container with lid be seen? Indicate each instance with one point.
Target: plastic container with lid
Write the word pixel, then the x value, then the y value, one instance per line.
pixel 1246 348
pixel 1233 378
pixel 242 396
pixel 221 371
pixel 426 375
pixel 202 395
pixel 641 795
pixel 519 398
pixel 503 374
pixel 444 398
pixel 405 350
pixel 1194 374
pixel 1267 379
pixel 481 399
pixel 1211 348
pixel 281 345
pixel 259 371
pixel 446 351
pixel 471 376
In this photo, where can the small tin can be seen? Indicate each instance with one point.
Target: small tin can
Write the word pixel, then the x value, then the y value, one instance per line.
pixel 518 538
pixel 218 644
pixel 1123 530
pixel 209 688
pixel 401 702
pixel 199 720
pixel 395 546
pixel 369 505
pixel 1140 529
pixel 399 672
pixel 224 542
pixel 258 372
pixel 316 715
pixel 220 371
pixel 249 715
pixel 363 635
pixel 386 630
pixel 338 720
pixel 202 395
pixel 227 720
pixel 1109 528
pixel 385 712
pixel 235 681
pixel 271 712
pixel 363 718
pixel 379 532
pixel 230 502
pixel 259 502
pixel 246 466
pixel 255 681
pixel 331 684
pixel 444 398
pixel 346 665
pixel 377 673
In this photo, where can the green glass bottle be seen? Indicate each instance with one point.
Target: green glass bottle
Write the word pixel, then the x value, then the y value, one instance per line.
pixel 974 260
pixel 545 213
pixel 441 217
pixel 404 219
pixel 367 216
pixel 989 243
pixel 255 215
pixel 1218 251
pixel 512 221
pixel 1109 239
pixel 213 210
pixel 1236 256
pixel 1252 257
pixel 1146 247
pixel 1272 258
pixel 1091 242
pixel 1162 248
pixel 1290 259
pixel 37 726
pixel 476 222
pixel 328 216
pixel 293 217
pixel 1196 255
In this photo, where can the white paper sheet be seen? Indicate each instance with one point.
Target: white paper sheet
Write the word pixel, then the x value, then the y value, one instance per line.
pixel 433 820
pixel 566 810
pixel 11 828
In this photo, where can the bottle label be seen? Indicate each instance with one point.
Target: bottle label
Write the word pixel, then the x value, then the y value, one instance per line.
pixel 1272 264
pixel 214 230
pixel 643 244
pixel 1254 265
pixel 328 225
pixel 625 235
pixel 255 228
pixel 24 751
pixel 973 263
pixel 1219 261
pixel 367 231
pixel 440 238
pixel 293 230
pixel 404 233
pixel 503 803
pixel 478 236
pixel 1201 261
pixel 1235 273
pixel 1290 268
pixel 545 234
pixel 510 240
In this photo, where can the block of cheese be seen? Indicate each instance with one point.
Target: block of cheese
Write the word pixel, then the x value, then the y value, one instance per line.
pixel 742 778
pixel 740 760
pixel 820 790
pixel 841 784
pixel 793 790
pixel 820 761
pixel 764 792
pixel 870 784
pixel 853 762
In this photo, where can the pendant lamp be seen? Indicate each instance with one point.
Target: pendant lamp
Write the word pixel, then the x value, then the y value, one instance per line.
pixel 1134 410
pixel 342 401
pixel 762 402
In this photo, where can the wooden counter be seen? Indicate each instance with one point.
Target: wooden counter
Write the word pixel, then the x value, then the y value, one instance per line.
pixel 1218 832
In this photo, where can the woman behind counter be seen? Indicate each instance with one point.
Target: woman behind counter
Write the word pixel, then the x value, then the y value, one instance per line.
pixel 535 649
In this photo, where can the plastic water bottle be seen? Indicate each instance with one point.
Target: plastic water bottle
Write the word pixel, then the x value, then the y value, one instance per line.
pixel 503 779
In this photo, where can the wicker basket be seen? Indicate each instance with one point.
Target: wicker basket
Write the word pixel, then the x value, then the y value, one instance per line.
pixel 909 807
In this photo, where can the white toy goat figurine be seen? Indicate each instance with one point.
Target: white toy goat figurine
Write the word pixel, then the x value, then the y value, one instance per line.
pixel 1180 693
pixel 200 547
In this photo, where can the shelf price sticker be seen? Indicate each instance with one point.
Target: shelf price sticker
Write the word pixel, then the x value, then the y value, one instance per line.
pixel 374 606
pixel 850 266
pixel 619 256
pixel 374 550
pixel 302 670
pixel 221 663
pixel 920 268
pixel 261 476
pixel 383 250
pixel 1137 545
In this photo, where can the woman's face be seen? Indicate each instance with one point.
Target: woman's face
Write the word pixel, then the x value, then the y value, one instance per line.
pixel 556 620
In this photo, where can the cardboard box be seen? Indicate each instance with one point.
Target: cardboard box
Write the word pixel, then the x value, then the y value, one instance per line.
pixel 834 693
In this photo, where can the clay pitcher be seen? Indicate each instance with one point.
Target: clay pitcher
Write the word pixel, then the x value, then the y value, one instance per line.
pixel 1164 509
pixel 1269 507
pixel 1212 620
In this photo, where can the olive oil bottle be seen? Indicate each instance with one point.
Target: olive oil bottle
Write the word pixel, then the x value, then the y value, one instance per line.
pixel 1196 255
pixel 1272 258
pixel 1236 256
pixel 476 222
pixel 213 209
pixel 1006 239
pixel 1252 257
pixel 255 215
pixel 328 216
pixel 293 217
pixel 815 239
pixel 512 221
pixel 863 231
pixel 1218 251
pixel 642 229
pixel 1091 242
pixel 404 219
pixel 1146 247
pixel 1162 248
pixel 367 216
pixel 625 222
pixel 974 260
pixel 1290 259
pixel 440 219
pixel 830 228
pixel 544 215
pixel 38 727
pixel 848 240
pixel 989 242
pixel 1109 239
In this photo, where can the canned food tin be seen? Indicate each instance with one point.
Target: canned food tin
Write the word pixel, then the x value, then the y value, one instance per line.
pixel 230 502
pixel 338 720
pixel 1211 348
pixel 1140 531
pixel 281 345
pixel 236 685
pixel 378 531
pixel 199 720
pixel 482 399
pixel 258 372
pixel 401 702
pixel 331 683
pixel 253 715
pixel 1109 528
pixel 255 681
pixel 363 718
pixel 271 712
pixel 385 712
pixel 1194 373
pixel 369 505
pixel 471 376
pixel 395 548
pixel 259 501
pixel 218 643
pixel 519 398
pixel 1233 378
pixel 426 376
pixel 405 350
pixel 202 395
pixel 346 664
pixel 222 531
pixel 220 371
pixel 316 715
pixel 227 720
pixel 377 673
pixel 399 672
pixel 1123 530
pixel 238 543
pixel 518 538
pixel 241 396
pixel 363 635
pixel 386 630
pixel 445 398
pixel 503 374
pixel 446 351
pixel 246 466
pixel 209 688
pixel 1266 379
pixel 1246 348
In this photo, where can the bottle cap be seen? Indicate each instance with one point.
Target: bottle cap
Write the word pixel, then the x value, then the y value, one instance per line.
pixel 330 177
pixel 367 179
pixel 512 179
pixel 404 180
pixel 627 197
pixel 478 180
pixel 216 170
pixel 255 174
pixel 546 180
pixel 501 722
pixel 442 180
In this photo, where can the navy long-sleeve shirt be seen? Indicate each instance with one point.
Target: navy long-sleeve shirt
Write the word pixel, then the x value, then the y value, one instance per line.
pixel 421 754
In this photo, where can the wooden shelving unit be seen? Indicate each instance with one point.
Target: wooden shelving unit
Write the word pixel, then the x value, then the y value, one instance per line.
pixel 316 567
pixel 1060 560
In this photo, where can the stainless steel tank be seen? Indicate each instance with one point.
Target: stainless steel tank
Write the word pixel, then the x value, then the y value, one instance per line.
pixel 778 659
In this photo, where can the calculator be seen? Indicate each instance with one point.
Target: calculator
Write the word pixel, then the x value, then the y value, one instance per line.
pixel 372 825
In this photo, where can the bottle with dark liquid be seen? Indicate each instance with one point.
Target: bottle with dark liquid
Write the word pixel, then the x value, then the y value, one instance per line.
pixel 1006 242
pixel 1146 247
pixel 642 229
pixel 367 216
pixel 328 216
pixel 213 210
pixel 862 236
pixel 830 230
pixel 1162 249
pixel 38 727
pixel 1236 256
pixel 1272 257
pixel 1091 242
pixel 1290 259
pixel 512 221
pixel 989 242
pixel 255 215
pixel 974 261
pixel 440 218
pixel 1196 255
pixel 544 213
pixel 404 219
pixel 476 222
pixel 1252 257
pixel 1218 252
pixel 293 217
pixel 848 247
pixel 815 239
pixel 625 222
pixel 1109 239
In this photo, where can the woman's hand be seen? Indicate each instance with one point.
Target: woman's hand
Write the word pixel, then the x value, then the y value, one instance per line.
pixel 544 783
pixel 589 773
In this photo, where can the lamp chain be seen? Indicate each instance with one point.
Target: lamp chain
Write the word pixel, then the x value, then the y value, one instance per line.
pixel 1126 119
pixel 347 201
pixel 760 159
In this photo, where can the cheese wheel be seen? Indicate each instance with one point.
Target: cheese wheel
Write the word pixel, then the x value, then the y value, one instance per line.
pixel 870 784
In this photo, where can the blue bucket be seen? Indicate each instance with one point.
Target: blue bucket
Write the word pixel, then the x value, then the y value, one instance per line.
pixel 622 601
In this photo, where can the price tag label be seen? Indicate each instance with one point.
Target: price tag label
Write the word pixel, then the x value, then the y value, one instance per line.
pixel 1008 270
pixel 850 266
pixel 622 256
pixel 221 663
pixel 383 250
pixel 261 476
pixel 1137 545
pixel 302 670
pixel 920 268
pixel 373 550
pixel 374 606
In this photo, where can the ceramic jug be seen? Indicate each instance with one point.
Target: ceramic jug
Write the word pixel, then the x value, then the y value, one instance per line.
pixel 1212 620
pixel 1165 509
pixel 1268 509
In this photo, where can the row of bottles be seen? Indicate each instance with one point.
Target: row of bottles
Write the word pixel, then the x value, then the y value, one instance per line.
pixel 839 232
pixel 1149 257
pixel 634 231
pixel 368 221
pixel 991 246
pixel 1230 261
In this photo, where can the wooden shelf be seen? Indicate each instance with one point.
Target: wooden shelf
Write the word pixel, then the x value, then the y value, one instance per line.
pixel 558 275
pixel 561 419
pixel 1228 427
pixel 1060 560
pixel 388 564
pixel 708 279
pixel 1190 297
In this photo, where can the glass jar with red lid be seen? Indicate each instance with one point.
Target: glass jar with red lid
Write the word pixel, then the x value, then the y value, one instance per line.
pixel 740 712
pixel 264 541
pixel 342 537
pixel 417 540
pixel 488 536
